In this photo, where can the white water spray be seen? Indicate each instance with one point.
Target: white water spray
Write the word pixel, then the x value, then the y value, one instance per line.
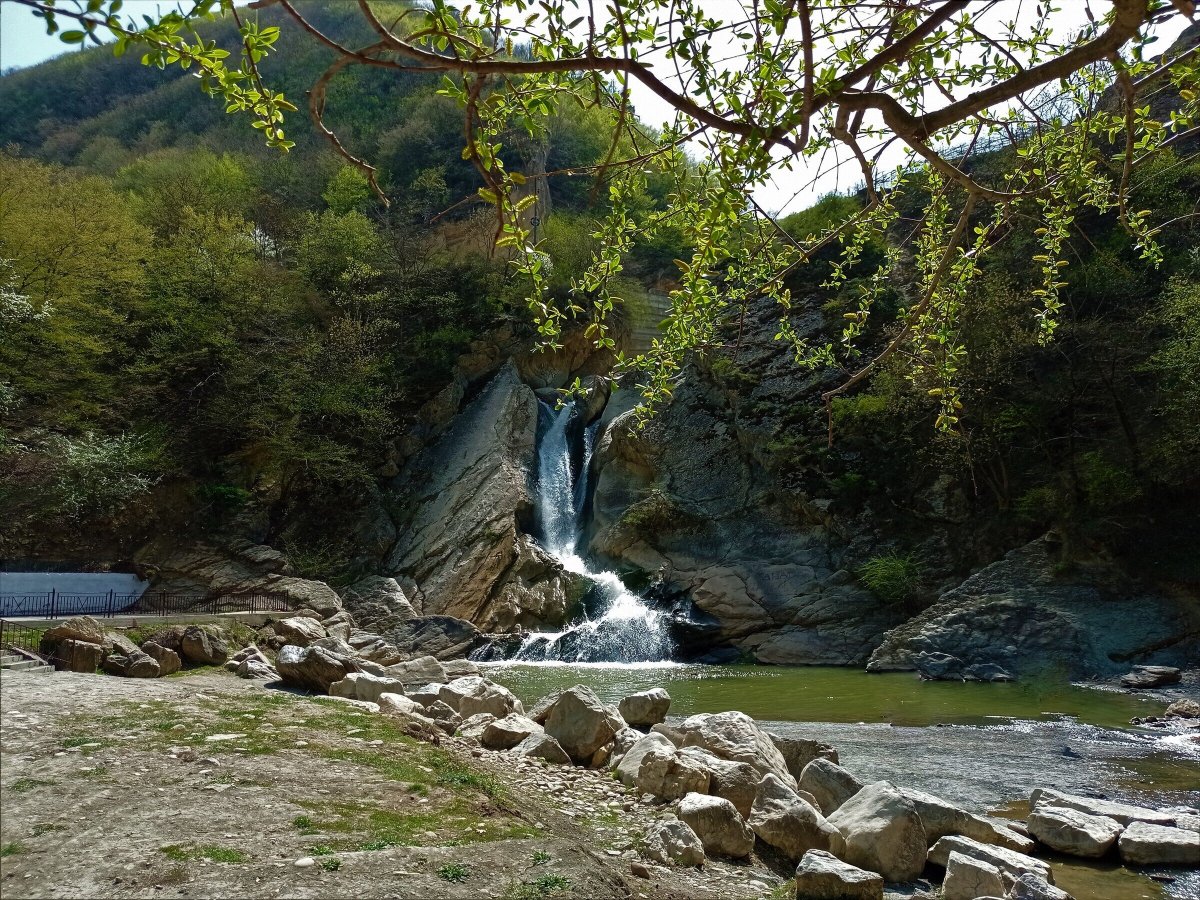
pixel 626 629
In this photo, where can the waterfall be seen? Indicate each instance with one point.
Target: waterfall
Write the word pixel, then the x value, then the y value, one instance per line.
pixel 624 628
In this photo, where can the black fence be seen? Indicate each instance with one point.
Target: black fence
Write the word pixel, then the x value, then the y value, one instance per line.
pixel 19 639
pixel 55 605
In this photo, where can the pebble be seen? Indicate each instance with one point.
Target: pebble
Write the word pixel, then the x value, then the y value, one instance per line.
pixel 225 737
pixel 305 862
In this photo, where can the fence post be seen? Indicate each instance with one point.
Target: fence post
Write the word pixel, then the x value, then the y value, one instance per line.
pixel 109 606
pixel 53 600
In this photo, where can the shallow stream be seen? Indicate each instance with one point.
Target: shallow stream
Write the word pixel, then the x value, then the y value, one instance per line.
pixel 983 746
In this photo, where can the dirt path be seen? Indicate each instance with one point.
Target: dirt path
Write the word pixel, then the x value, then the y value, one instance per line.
pixel 211 786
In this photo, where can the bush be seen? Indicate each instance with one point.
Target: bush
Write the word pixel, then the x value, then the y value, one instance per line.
pixel 99 475
pixel 893 577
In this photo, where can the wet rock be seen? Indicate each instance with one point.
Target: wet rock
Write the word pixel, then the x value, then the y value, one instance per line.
pixel 300 630
pixel 880 830
pixel 1032 887
pixel 1142 677
pixel 1011 864
pixel 987 672
pixel 581 723
pixel 168 660
pixel 203 645
pixel 1124 813
pixel 669 775
pixel 422 670
pixel 829 783
pixel 968 878
pixel 1143 844
pixel 737 782
pixel 474 694
pixel 443 637
pixel 737 737
pixel 541 746
pixel 822 876
pixel 71 655
pixel 941 818
pixel 785 821
pixel 506 733
pixel 938 666
pixel 799 752
pixel 1073 832
pixel 674 843
pixel 312 667
pixel 631 763
pixel 362 686
pixel 1183 709
pixel 645 707
pixel 716 822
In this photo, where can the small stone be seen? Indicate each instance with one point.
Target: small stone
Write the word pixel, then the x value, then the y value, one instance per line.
pixel 305 862
pixel 639 869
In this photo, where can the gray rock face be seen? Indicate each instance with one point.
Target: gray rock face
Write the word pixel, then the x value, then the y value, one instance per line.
pixel 645 707
pixel 715 821
pixel 315 668
pixel 503 734
pixel 785 821
pixel 1020 614
pixel 737 782
pixel 631 762
pixel 473 694
pixel 1031 887
pixel 467 495
pixel 581 723
pixel 736 737
pixel 168 660
pixel 673 843
pixel 1143 844
pixel 1151 676
pixel 670 776
pixel 829 783
pixel 422 670
pixel 378 602
pixel 968 878
pixel 879 829
pixel 1124 813
pixel 1011 864
pixel 443 637
pixel 1073 832
pixel 542 746
pixel 822 876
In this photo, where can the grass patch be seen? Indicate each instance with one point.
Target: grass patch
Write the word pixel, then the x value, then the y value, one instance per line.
pixel 454 872
pixel 46 827
pixel 332 864
pixel 25 785
pixel 210 852
pixel 548 885
pixel 541 857
pixel 79 740
pixel 13 849
pixel 201 670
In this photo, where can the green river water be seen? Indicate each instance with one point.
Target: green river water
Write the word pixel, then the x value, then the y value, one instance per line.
pixel 983 746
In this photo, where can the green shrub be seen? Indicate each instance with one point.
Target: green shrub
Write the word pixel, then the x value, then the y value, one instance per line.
pixel 454 872
pixel 893 577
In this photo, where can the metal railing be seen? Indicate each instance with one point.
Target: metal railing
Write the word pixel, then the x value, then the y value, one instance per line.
pixel 23 640
pixel 55 605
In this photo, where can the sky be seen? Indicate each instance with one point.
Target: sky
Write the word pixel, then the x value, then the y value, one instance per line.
pixel 24 42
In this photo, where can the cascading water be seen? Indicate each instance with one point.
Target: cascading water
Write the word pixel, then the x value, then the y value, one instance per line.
pixel 624 628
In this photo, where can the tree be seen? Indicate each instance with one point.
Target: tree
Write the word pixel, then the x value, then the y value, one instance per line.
pixel 1003 121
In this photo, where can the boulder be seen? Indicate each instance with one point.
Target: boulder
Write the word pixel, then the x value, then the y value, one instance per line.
pixel 737 782
pixel 822 876
pixel 422 670
pixel 447 719
pixel 673 843
pixel 799 752
pixel 312 667
pixel 987 671
pixel 1141 677
pixel 376 649
pixel 1143 844
pixel 879 829
pixel 941 818
pixel 203 645
pixel 141 665
pixel 716 822
pixel 645 707
pixel 1073 832
pixel 409 715
pixel 1012 865
pixel 457 668
pixel 506 733
pixel 622 744
pixel 734 736
pixel 378 602
pixel 829 783
pixel 968 878
pixel 251 662
pixel 168 660
pixel 170 637
pixel 84 629
pixel 395 704
pixel 115 642
pixel 670 776
pixel 1122 812
pixel 1183 709
pixel 781 818
pixel 938 666
pixel 473 726
pixel 362 686
pixel 474 694
pixel 541 746
pixel 581 723
pixel 631 762
pixel 1033 887
pixel 541 709
pixel 301 630
pixel 71 655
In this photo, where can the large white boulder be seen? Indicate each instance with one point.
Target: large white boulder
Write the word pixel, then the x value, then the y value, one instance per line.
pixel 645 707
pixel 674 843
pixel 362 686
pixel 734 736
pixel 1012 865
pixel 1124 813
pixel 581 723
pixel 781 818
pixel 541 746
pixel 879 829
pixel 474 694
pixel 422 670
pixel 506 733
pixel 315 668
pixel 968 878
pixel 822 876
pixel 1033 887
pixel 472 727
pixel 737 782
pixel 941 818
pixel 669 775
pixel 721 830
pixel 1073 832
pixel 299 630
pixel 829 783
pixel 631 762
pixel 1143 844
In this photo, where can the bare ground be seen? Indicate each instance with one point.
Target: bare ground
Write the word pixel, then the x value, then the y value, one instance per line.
pixel 210 786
